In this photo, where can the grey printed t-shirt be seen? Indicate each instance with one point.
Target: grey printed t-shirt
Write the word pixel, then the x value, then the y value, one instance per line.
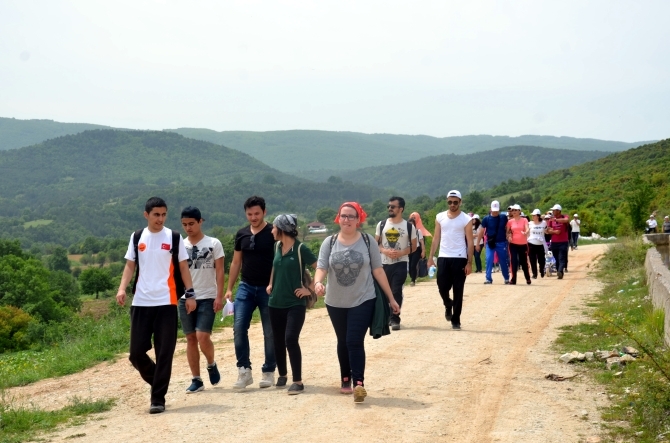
pixel 350 280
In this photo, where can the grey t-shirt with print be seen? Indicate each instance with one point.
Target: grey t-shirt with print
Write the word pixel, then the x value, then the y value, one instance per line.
pixel 350 280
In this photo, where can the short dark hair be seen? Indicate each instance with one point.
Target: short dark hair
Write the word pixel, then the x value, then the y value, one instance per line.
pixel 254 200
pixel 154 202
pixel 401 201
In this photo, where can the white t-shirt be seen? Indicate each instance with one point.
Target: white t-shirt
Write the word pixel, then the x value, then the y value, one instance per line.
pixel 652 223
pixel 201 257
pixel 574 224
pixel 536 236
pixel 155 285
pixel 453 243
pixel 395 237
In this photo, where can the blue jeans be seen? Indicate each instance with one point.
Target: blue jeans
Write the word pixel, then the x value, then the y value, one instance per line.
pixel 501 249
pixel 560 251
pixel 247 299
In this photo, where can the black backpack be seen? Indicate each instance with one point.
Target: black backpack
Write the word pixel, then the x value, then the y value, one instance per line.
pixel 176 273
pixel 409 233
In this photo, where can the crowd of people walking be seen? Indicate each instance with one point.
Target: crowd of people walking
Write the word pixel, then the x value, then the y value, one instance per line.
pixel 361 276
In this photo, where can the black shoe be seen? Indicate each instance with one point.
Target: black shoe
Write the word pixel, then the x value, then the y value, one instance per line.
pixel 486 282
pixel 395 326
pixel 507 282
pixel 456 326
pixel 535 276
pixel 296 389
pixel 447 314
pixel 542 275
pixel 156 409
pixel 560 275
pixel 565 270
pixel 527 282
pixel 281 382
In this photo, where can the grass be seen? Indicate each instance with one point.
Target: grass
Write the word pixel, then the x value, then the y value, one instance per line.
pixel 622 315
pixel 19 423
pixel 35 223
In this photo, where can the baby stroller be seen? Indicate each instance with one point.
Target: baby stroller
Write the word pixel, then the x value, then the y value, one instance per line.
pixel 550 266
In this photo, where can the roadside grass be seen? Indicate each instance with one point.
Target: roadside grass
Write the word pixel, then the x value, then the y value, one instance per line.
pixel 20 423
pixel 622 315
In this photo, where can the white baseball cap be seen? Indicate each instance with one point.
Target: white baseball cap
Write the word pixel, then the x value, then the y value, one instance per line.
pixel 517 207
pixel 536 212
pixel 477 216
pixel 454 193
pixel 495 205
pixel 576 215
pixel 556 207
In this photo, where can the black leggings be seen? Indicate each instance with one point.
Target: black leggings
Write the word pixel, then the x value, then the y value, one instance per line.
pixel 451 275
pixel 286 326
pixel 536 255
pixel 350 326
pixel 519 255
pixel 414 258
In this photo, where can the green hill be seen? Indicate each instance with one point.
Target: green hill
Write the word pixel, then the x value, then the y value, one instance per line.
pixel 323 153
pixel 96 182
pixel 436 175
pixel 19 133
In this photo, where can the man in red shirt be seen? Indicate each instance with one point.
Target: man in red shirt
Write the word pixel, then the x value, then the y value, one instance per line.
pixel 558 228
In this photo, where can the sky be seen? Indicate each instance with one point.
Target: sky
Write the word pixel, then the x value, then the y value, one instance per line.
pixel 597 68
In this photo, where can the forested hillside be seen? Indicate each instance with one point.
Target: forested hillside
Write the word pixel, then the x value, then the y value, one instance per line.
pixel 16 133
pixel 436 175
pixel 323 153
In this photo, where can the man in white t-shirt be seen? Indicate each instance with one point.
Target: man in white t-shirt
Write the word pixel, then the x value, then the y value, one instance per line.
pixel 205 262
pixel 453 232
pixel 160 258
pixel 397 239
pixel 575 224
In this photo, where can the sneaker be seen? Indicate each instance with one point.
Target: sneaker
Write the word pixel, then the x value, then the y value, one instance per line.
pixel 346 386
pixel 296 389
pixel 196 386
pixel 565 270
pixel 560 275
pixel 214 376
pixel 534 276
pixel 267 380
pixel 456 326
pixel 359 394
pixel 281 382
pixel 244 378
pixel 156 409
pixel 507 282
pixel 395 326
pixel 447 314
pixel 411 283
pixel 487 282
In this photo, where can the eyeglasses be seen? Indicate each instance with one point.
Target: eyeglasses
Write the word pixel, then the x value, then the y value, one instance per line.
pixel 348 217
pixel 453 202
pixel 252 241
pixel 392 207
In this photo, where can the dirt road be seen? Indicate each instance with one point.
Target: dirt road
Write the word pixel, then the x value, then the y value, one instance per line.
pixel 425 383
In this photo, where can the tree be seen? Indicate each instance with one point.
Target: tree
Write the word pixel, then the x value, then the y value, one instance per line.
pixel 101 259
pixel 640 194
pixel 58 261
pixel 326 215
pixel 335 180
pixel 95 280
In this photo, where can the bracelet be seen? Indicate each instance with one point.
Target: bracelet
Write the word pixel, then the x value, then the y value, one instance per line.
pixel 189 293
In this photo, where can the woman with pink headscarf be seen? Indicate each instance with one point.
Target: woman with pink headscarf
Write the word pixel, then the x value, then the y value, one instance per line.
pixel 420 251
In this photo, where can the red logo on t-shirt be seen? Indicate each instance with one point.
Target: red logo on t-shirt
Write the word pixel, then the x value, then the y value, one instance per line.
pixel 142 247
pixel 165 246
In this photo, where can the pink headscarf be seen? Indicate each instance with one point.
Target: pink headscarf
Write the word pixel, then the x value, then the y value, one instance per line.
pixel 361 213
pixel 419 224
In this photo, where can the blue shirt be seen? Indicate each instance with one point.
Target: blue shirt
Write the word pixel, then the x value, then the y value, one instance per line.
pixel 493 224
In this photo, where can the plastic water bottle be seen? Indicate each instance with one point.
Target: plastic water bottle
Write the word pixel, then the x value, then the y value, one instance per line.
pixel 431 272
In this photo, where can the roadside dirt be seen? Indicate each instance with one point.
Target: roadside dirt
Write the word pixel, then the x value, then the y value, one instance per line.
pixel 425 383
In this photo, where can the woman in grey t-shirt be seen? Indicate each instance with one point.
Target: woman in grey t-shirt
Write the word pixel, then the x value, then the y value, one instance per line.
pixel 350 293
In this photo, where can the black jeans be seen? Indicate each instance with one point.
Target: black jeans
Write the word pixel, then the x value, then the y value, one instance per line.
pixel 519 254
pixel 286 326
pixel 351 325
pixel 536 255
pixel 478 258
pixel 161 323
pixel 396 275
pixel 451 275
pixel 414 258
pixel 560 251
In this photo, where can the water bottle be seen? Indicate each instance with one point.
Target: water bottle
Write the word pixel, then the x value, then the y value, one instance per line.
pixel 431 272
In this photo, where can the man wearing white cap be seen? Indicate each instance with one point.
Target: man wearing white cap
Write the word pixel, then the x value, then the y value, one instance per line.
pixel 496 241
pixel 651 224
pixel 453 232
pixel 574 224
pixel 558 228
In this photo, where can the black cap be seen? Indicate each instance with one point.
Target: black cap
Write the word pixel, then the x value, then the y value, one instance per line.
pixel 192 212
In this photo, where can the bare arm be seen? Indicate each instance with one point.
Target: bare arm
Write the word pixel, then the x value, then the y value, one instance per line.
pixel 219 269
pixel 233 273
pixel 128 272
pixel 319 276
pixel 471 247
pixel 437 236
pixel 188 283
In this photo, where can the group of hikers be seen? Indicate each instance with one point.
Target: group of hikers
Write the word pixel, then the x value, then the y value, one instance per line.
pixel 361 276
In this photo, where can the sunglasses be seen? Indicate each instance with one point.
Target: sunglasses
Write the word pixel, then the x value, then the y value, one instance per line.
pixel 453 202
pixel 252 241
pixel 348 217
pixel 392 207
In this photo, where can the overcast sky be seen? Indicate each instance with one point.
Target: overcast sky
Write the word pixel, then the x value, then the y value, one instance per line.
pixel 597 69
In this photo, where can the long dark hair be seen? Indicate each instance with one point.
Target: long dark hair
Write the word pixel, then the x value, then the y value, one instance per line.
pixel 477 223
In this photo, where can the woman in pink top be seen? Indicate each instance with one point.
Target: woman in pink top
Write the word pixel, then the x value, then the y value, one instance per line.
pixel 517 236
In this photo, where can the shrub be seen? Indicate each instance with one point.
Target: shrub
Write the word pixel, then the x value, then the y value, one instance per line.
pixel 14 324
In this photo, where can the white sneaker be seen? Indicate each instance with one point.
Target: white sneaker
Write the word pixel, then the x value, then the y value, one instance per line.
pixel 268 380
pixel 244 378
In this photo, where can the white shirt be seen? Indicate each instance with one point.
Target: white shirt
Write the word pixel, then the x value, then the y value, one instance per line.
pixel 201 258
pixel 574 224
pixel 536 236
pixel 395 237
pixel 452 239
pixel 652 223
pixel 155 285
